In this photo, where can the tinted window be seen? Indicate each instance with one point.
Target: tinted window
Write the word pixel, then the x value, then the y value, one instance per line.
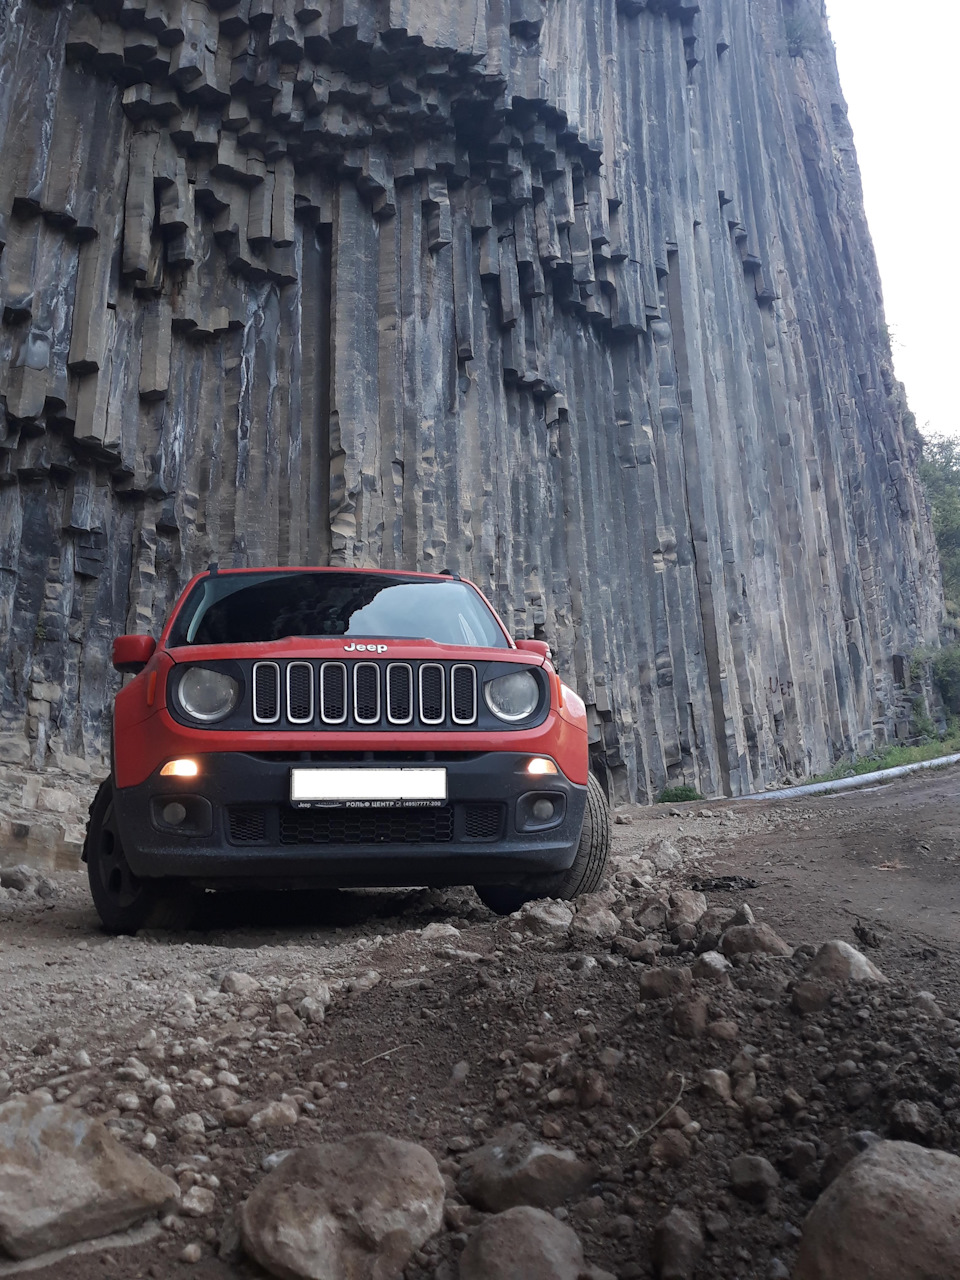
pixel 252 608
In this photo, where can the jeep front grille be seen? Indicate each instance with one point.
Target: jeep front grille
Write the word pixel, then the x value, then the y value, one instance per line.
pixel 364 694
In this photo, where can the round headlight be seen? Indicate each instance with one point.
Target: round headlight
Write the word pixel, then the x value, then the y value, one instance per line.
pixel 512 697
pixel 208 695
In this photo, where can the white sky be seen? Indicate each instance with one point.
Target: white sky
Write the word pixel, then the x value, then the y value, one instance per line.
pixel 900 79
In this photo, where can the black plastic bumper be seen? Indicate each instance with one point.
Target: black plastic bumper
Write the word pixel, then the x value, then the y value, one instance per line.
pixel 239 826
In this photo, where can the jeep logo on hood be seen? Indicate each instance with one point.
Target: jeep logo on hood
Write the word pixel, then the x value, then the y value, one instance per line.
pixel 364 648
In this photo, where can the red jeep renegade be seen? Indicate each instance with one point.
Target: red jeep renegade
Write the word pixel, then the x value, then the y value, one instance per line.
pixel 345 727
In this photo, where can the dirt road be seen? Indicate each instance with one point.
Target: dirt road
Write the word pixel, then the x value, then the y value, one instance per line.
pixel 420 1014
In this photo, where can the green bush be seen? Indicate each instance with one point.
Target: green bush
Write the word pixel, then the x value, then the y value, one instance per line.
pixel 678 795
pixel 803 34
pixel 946 676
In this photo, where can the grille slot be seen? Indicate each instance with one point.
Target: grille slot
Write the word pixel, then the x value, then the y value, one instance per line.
pixel 399 693
pixel 432 683
pixel 333 693
pixel 266 692
pixel 482 821
pixel 366 826
pixel 463 699
pixel 247 825
pixel 299 693
pixel 366 693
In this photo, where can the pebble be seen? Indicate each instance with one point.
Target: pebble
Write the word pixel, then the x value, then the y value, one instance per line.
pixel 753 1178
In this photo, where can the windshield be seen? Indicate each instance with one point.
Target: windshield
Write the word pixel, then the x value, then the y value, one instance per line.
pixel 252 608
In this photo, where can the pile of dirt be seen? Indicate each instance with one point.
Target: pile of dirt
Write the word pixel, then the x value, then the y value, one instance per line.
pixel 673 1045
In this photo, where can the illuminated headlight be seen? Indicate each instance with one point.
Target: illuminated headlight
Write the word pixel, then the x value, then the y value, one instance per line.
pixel 207 695
pixel 512 697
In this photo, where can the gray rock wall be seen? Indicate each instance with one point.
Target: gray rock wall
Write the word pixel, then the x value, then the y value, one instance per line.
pixel 575 298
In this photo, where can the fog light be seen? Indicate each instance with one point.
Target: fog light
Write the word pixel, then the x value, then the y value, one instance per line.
pixel 539 765
pixel 180 769
pixel 543 810
pixel 174 814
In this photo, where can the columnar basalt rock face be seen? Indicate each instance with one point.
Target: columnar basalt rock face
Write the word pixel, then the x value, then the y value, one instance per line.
pixel 576 299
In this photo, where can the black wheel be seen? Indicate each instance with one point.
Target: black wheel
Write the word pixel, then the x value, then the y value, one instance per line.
pixel 585 875
pixel 124 902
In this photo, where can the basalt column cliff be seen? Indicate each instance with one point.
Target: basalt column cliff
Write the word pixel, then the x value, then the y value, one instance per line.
pixel 574 297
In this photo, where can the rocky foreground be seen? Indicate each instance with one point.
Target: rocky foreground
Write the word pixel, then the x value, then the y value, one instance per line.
pixel 654 1084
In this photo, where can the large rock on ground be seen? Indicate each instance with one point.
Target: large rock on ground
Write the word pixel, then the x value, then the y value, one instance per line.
pixel 354 1210
pixel 524 1244
pixel 837 961
pixel 514 1169
pixel 64 1179
pixel 752 939
pixel 892 1214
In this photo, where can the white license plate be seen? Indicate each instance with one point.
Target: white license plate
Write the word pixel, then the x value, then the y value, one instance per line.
pixel 368 788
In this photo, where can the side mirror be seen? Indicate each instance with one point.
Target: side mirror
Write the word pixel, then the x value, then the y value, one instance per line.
pixel 539 647
pixel 132 653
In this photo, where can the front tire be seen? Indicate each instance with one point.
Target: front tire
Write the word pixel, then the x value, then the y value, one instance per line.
pixel 124 902
pixel 585 875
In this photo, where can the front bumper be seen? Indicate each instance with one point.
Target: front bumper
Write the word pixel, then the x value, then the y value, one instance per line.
pixel 240 826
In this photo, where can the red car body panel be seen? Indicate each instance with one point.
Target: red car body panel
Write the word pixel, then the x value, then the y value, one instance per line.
pixel 146 736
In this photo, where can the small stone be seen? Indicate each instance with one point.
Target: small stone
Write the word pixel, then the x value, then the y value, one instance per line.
pixel 236 983
pixel 514 1168
pixel 690 1017
pixel 743 915
pixel 191 1252
pixel 749 939
pixel 678 1245
pixel 285 1020
pixel 793 1102
pixel 810 997
pixel 745 1086
pixel 660 984
pixel 753 1178
pixel 198 1202
pixel 837 961
pixel 909 1122
pixel 717 1084
pixel 644 950
pixel 127 1102
pixel 712 966
pixel 546 917
pixel 190 1125
pixel 164 1107
pixel 926 1002
pixel 311 1010
pixel 220 1098
pixel 594 920
pixel 664 854
pixel 439 931
pixel 275 1115
pixel 723 1030
pixel 523 1242
pixel 685 906
pixel 671 1149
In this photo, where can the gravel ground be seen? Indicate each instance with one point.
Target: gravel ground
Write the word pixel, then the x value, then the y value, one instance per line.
pixel 421 1015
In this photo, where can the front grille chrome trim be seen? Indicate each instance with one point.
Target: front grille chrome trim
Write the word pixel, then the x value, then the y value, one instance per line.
pixel 472 672
pixel 432 666
pixel 271 671
pixel 393 671
pixel 291 668
pixel 357 669
pixel 342 668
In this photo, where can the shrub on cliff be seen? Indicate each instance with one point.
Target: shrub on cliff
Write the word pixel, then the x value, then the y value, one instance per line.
pixel 940 473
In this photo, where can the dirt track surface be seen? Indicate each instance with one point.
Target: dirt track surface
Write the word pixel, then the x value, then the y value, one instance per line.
pixel 446 1023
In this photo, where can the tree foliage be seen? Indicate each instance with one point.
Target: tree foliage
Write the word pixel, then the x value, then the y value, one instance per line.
pixel 940 473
